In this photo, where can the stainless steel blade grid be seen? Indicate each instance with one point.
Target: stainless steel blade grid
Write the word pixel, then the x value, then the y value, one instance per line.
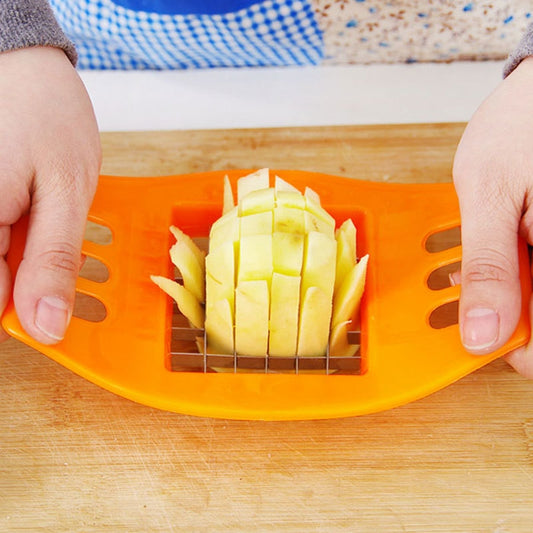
pixel 188 353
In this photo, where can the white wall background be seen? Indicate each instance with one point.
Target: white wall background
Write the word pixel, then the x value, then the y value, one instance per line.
pixel 271 97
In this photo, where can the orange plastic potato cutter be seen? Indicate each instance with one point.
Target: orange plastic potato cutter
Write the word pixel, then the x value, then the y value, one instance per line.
pixel 404 357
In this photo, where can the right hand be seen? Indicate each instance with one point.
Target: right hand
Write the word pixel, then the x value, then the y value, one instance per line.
pixel 50 159
pixel 493 176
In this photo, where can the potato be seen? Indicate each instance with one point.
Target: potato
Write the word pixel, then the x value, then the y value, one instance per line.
pixel 278 280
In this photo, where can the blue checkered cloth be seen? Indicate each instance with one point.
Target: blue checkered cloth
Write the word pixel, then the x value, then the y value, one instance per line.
pixel 112 35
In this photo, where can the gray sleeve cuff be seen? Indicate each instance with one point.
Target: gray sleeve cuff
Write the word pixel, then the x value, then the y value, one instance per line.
pixel 25 23
pixel 523 50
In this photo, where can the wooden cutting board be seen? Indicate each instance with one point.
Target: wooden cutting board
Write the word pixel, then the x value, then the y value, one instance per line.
pixel 74 457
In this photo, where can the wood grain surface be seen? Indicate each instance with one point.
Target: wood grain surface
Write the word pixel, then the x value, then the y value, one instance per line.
pixel 76 458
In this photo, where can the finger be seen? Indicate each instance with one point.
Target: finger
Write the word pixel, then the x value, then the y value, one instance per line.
pixel 5 292
pixel 44 288
pixel 5 274
pixel 521 359
pixel 490 285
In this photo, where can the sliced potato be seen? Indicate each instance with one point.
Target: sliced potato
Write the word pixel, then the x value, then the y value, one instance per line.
pixel 257 202
pixel 281 185
pixel 313 334
pixel 287 252
pixel 319 262
pixel 181 236
pixel 289 219
pixel 186 301
pixel 225 229
pixel 348 297
pixel 253 182
pixel 278 280
pixel 290 198
pixel 284 315
pixel 346 252
pixel 219 322
pixel 191 270
pixel 255 258
pixel 312 196
pixel 228 201
pixel 338 341
pixel 257 224
pixel 251 317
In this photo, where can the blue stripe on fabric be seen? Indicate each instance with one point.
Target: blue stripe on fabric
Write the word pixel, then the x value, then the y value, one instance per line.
pixel 185 7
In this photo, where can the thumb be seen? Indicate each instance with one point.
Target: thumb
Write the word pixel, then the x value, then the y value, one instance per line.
pixel 44 288
pixel 490 300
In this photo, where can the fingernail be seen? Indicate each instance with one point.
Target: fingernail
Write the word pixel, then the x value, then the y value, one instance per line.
pixel 480 328
pixel 52 317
